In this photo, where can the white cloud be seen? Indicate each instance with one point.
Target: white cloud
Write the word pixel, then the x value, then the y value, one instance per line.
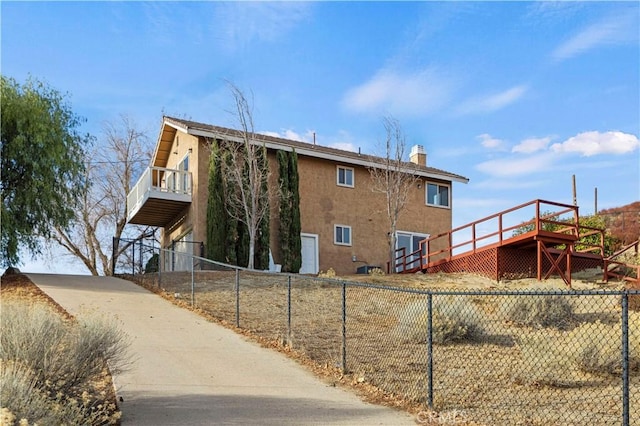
pixel 492 102
pixel 240 23
pixel 291 135
pixel 612 30
pixel 490 142
pixel 529 146
pixel 345 146
pixel 342 141
pixel 400 93
pixel 594 143
pixel 509 166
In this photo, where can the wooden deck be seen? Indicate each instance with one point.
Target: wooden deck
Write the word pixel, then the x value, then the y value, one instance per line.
pixel 502 246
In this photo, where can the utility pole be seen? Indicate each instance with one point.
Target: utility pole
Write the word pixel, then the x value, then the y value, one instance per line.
pixel 575 196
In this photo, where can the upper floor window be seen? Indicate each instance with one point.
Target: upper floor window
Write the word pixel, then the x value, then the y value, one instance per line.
pixel 342 235
pixel 345 176
pixel 438 195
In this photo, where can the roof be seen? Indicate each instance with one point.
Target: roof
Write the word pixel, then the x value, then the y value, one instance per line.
pixel 170 125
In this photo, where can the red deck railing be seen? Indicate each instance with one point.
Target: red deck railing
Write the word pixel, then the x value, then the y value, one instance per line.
pixel 549 217
pixel 622 270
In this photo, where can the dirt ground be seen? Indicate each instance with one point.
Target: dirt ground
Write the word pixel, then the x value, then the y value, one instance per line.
pixel 490 381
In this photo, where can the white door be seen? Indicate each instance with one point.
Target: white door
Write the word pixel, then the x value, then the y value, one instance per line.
pixel 183 253
pixel 310 260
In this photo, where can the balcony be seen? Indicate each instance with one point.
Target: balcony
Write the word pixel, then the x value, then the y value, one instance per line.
pixel 159 196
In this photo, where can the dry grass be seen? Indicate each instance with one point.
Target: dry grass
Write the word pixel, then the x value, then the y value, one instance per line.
pixel 494 380
pixel 51 368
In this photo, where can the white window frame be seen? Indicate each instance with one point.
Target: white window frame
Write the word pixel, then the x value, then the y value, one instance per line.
pixel 353 176
pixel 335 233
pixel 439 185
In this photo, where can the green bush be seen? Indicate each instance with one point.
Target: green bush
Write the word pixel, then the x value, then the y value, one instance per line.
pixel 50 366
pixel 538 311
pixel 454 319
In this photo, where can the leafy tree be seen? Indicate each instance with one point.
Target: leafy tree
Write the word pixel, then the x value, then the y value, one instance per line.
pixel 586 241
pixel 43 174
pixel 216 213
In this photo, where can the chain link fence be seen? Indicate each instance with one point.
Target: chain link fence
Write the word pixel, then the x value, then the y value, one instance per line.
pixel 489 357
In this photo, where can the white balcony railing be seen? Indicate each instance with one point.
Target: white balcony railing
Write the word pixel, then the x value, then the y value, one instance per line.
pixel 158 182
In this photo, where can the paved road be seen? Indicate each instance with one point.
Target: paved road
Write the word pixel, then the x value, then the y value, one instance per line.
pixel 193 372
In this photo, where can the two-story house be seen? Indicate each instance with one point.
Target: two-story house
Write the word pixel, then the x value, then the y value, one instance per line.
pixel 343 221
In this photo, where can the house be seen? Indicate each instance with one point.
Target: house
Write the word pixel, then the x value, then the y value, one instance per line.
pixel 343 222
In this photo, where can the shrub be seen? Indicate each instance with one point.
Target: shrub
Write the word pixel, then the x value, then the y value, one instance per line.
pixel 331 273
pixel 546 361
pixel 597 347
pixel 56 363
pixel 538 311
pixel 454 319
pixel 561 359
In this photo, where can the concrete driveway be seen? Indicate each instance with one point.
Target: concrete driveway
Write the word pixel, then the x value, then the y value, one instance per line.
pixel 192 372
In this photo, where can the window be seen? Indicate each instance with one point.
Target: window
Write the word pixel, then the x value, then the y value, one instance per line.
pixel 345 176
pixel 437 195
pixel 342 235
pixel 184 174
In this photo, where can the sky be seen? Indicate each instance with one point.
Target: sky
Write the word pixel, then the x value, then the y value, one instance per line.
pixel 516 96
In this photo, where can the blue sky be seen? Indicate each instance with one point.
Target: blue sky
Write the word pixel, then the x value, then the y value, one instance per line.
pixel 516 96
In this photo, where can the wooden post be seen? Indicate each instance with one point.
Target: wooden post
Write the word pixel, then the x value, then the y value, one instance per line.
pixel 575 196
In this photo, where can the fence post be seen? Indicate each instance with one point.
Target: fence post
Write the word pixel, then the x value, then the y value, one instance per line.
pixel 238 298
pixel 193 285
pixel 344 327
pixel 625 358
pixel 114 249
pixel 430 350
pixel 289 310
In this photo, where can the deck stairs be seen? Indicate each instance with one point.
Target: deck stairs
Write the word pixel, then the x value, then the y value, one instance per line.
pixel 617 266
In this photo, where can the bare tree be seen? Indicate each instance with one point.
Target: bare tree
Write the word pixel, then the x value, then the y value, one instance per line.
pixel 393 177
pixel 102 213
pixel 246 173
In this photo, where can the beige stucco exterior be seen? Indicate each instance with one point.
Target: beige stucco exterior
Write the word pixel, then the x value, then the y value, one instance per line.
pixel 323 205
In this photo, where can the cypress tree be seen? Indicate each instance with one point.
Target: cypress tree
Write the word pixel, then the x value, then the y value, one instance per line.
pixel 232 237
pixel 284 209
pixel 261 259
pixel 216 213
pixel 295 241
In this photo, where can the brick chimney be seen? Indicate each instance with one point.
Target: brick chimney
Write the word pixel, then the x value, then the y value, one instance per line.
pixel 418 155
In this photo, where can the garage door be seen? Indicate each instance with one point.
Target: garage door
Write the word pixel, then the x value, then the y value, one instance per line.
pixel 310 259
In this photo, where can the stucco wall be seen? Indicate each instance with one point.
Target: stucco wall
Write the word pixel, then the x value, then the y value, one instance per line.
pixel 323 205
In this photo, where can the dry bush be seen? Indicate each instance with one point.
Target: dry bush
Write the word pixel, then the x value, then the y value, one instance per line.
pixel 596 348
pixel 56 362
pixel 538 311
pixel 560 359
pixel 25 401
pixel 546 361
pixel 454 319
